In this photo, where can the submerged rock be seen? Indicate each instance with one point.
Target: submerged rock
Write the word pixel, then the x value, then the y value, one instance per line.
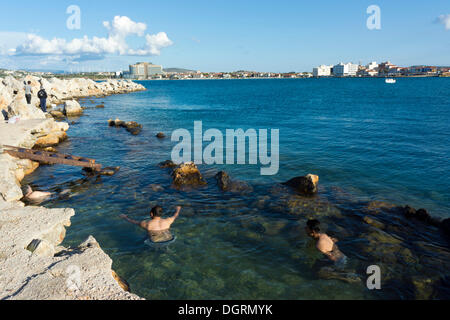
pixel 421 215
pixel 226 184
pixel 108 171
pixel 167 164
pixel 187 174
pixel 156 187
pixel 122 282
pixel 306 185
pixel 374 222
pixel 377 206
pixel 131 126
pixel 160 135
pixel 329 273
pixel 223 180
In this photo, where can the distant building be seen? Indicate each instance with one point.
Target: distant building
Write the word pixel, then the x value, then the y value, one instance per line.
pixel 372 66
pixel 345 69
pixel 366 72
pixel 322 71
pixel 386 67
pixel 423 70
pixel 145 70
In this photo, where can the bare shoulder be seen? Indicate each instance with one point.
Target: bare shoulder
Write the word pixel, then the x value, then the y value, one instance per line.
pixel 325 243
pixel 144 224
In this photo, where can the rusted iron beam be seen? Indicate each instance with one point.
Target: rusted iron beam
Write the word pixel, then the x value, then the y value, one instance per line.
pixel 52 157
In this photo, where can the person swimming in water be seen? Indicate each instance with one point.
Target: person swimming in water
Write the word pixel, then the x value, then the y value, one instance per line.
pixel 158 228
pixel 35 197
pixel 325 243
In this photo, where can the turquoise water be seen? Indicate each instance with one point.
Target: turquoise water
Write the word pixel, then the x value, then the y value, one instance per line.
pixel 365 139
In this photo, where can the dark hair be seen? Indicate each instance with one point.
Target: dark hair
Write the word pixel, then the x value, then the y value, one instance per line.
pixel 313 225
pixel 29 82
pixel 157 211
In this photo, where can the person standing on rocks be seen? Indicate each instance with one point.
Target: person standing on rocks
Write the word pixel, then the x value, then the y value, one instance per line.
pixel 28 92
pixel 158 228
pixel 42 95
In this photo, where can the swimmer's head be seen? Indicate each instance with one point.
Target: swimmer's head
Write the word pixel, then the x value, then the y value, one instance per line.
pixel 26 190
pixel 312 228
pixel 156 212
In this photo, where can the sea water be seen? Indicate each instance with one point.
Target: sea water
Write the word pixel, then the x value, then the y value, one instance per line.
pixel 365 139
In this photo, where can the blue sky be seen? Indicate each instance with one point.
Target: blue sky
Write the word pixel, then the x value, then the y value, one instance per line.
pixel 218 35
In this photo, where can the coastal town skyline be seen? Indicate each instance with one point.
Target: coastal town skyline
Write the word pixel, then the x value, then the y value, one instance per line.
pixel 150 71
pixel 222 37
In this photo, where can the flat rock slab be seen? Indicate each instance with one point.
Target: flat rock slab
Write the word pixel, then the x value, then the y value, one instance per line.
pixel 21 132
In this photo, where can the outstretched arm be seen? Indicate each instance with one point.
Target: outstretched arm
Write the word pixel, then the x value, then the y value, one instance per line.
pixel 125 217
pixel 176 215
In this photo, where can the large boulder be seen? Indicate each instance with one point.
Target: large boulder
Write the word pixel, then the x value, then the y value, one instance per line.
pixel 57 114
pixel 12 84
pixel 51 139
pixel 187 174
pixel 24 111
pixel 5 97
pixel 306 185
pixel 72 108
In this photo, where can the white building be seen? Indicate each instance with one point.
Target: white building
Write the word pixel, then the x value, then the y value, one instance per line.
pixel 322 71
pixel 145 70
pixel 372 66
pixel 345 69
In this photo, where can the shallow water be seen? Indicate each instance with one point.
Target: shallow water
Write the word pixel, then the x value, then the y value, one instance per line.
pixel 365 139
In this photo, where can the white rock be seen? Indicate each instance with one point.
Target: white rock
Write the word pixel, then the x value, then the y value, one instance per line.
pixel 72 108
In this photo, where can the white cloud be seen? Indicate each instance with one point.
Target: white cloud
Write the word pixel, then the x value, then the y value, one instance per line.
pixel 155 42
pixel 10 40
pixel 123 26
pixel 445 20
pixel 91 48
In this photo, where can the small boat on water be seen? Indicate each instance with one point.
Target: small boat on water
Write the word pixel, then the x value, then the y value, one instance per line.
pixel 390 80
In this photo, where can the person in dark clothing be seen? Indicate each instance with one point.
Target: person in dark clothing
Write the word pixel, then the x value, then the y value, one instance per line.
pixel 42 95
pixel 28 92
pixel 5 115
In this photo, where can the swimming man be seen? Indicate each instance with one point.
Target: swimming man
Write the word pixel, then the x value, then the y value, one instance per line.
pixel 158 228
pixel 36 197
pixel 325 244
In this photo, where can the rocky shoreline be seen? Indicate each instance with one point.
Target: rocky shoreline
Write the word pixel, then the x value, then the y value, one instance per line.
pixel 33 265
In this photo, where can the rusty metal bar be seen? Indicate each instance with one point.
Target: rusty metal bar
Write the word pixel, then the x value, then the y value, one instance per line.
pixel 52 157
